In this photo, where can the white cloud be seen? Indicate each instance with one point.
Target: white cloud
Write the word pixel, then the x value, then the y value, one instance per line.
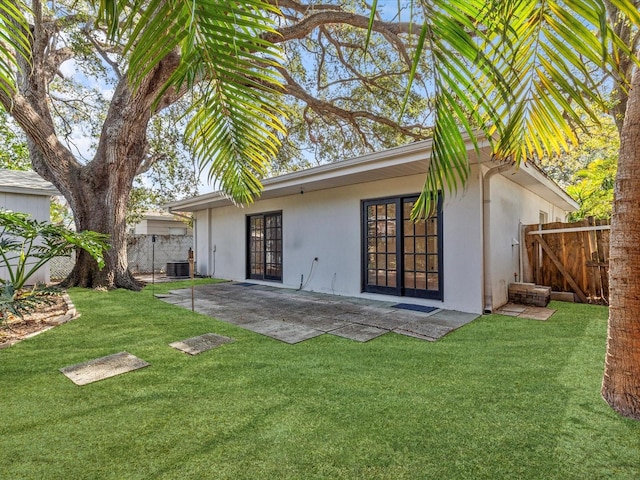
pixel 107 93
pixel 68 68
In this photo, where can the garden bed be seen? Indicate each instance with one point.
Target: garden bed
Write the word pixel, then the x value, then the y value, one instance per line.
pixel 59 309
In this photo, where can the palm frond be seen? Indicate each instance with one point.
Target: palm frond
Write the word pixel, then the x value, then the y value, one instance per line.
pixel 457 51
pixel 520 70
pixel 14 42
pixel 224 59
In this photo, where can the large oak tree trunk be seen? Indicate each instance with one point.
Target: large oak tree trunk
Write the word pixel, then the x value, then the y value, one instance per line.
pixel 97 191
pixel 621 382
pixel 101 206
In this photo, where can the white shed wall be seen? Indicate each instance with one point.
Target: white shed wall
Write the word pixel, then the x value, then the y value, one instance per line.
pixel 38 207
pixel 327 224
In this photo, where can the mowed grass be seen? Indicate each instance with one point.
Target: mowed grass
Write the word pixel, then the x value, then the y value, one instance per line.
pixel 498 398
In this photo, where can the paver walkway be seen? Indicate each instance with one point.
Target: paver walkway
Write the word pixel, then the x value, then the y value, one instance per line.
pixel 294 316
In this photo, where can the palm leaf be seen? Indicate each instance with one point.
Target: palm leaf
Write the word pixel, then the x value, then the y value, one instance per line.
pixel 14 42
pixel 517 69
pixel 227 65
pixel 459 61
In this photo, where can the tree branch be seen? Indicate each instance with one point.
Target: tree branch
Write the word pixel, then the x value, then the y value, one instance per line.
pixel 327 108
pixel 309 23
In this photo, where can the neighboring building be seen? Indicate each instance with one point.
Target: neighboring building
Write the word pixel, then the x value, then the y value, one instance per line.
pixel 158 223
pixel 27 192
pixel 344 228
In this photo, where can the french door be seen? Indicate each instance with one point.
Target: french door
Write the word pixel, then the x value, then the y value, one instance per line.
pixel 401 257
pixel 264 246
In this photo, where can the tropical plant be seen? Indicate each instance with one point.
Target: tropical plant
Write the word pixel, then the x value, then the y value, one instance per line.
pixel 15 303
pixel 523 71
pixel 27 244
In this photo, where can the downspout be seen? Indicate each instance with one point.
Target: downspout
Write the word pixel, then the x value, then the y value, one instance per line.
pixel 210 250
pixel 487 288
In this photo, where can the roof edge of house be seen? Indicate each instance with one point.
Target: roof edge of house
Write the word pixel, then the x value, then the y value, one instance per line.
pixel 368 159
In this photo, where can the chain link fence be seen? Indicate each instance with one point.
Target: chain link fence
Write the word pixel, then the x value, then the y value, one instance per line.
pixel 144 256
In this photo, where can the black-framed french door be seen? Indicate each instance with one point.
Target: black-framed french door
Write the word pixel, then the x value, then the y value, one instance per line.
pixel 401 257
pixel 264 246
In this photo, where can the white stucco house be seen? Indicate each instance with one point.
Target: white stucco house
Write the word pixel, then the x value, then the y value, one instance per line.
pixel 27 192
pixel 344 228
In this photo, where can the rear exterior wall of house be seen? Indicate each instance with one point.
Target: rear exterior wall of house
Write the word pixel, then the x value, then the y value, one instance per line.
pixel 328 225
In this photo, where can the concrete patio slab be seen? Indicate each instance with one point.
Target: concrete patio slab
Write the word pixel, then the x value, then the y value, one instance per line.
pixel 429 331
pixel 293 316
pixel 452 318
pixel 201 343
pixel 359 333
pixel 284 331
pixel 324 324
pixel 103 367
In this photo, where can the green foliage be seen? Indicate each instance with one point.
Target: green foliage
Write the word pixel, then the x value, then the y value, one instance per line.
pixel 233 128
pixel 27 244
pixel 14 42
pixel 597 141
pixel 593 188
pixel 14 154
pixel 587 170
pixel 525 72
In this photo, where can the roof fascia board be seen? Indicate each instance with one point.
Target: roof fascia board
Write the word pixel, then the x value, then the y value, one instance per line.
pixel 41 192
pixel 372 161
pixel 551 191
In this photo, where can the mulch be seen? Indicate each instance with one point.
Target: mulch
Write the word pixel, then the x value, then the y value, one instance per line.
pixel 46 316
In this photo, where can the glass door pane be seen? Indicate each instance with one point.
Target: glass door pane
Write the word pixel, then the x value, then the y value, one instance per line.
pixel 256 247
pixel 420 254
pixel 265 247
pixel 380 244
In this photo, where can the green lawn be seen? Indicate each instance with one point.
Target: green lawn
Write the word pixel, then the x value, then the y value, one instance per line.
pixel 499 398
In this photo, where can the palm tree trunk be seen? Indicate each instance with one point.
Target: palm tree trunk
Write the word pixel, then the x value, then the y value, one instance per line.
pixel 621 382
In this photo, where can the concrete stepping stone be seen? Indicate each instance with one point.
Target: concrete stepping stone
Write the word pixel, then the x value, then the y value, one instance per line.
pixel 358 333
pixel 103 367
pixel 537 313
pixel 524 311
pixel 201 343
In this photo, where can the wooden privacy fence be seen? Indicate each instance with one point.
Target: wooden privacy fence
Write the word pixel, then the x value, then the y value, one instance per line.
pixel 569 257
